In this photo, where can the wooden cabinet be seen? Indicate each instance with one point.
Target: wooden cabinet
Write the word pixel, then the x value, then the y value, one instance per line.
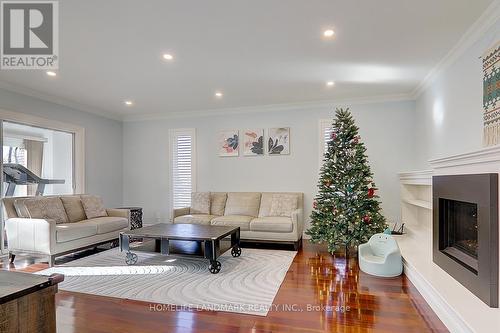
pixel 27 302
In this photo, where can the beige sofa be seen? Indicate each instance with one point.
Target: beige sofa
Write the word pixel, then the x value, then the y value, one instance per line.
pixel 262 217
pixel 56 225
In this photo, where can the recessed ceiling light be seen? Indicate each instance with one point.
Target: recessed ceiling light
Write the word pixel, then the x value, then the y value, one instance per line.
pixel 328 33
pixel 168 56
pixel 330 84
pixel 50 73
pixel 129 103
pixel 218 94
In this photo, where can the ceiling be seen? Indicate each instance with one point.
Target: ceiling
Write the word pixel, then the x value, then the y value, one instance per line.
pixel 259 52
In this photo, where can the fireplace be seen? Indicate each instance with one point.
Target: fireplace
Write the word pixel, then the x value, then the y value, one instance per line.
pixel 465 231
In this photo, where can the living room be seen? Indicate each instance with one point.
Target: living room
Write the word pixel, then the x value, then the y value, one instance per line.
pixel 179 167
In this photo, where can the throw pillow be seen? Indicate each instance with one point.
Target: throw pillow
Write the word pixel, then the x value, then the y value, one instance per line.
pixel 21 209
pixel 46 208
pixel 200 203
pixel 74 208
pixel 93 206
pixel 283 205
pixel 218 203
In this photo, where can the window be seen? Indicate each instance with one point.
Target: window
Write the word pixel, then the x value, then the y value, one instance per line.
pixel 46 153
pixel 325 131
pixel 182 177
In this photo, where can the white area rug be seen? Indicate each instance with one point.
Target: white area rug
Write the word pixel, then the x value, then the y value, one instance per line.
pixel 247 284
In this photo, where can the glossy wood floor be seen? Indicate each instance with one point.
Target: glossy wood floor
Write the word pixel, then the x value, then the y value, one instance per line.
pixel 321 293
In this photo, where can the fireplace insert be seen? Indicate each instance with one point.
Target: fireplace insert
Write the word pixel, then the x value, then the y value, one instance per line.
pixel 458 234
pixel 465 231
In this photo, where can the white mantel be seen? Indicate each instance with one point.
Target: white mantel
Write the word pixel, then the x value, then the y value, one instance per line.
pixel 458 308
pixel 480 161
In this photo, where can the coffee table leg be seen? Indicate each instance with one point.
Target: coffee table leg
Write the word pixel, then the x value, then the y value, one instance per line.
pixel 164 246
pixel 212 251
pixel 124 243
pixel 235 244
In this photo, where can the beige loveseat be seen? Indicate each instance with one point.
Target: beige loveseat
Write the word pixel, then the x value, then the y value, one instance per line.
pixel 56 225
pixel 262 217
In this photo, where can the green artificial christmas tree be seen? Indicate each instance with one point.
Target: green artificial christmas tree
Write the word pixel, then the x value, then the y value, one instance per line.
pixel 346 211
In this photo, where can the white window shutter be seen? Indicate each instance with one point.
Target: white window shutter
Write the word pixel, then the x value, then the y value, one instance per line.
pixel 325 132
pixel 182 167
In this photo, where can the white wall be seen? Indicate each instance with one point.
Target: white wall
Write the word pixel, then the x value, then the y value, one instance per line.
pixel 386 129
pixel 103 142
pixel 449 121
pixel 449 112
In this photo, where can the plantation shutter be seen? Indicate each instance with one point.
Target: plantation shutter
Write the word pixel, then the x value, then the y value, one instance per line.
pixel 182 167
pixel 325 132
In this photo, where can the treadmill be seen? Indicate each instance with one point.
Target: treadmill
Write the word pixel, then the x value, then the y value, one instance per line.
pixel 16 174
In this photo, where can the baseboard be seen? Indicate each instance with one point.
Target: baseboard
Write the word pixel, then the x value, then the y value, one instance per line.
pixel 450 318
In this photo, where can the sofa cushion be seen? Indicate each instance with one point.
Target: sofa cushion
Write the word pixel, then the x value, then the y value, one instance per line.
pixel 278 204
pixel 233 221
pixel 66 232
pixel 195 219
pixel 107 223
pixel 217 203
pixel 272 224
pixel 74 208
pixel 200 203
pixel 93 206
pixel 242 203
pixel 46 208
pixel 283 205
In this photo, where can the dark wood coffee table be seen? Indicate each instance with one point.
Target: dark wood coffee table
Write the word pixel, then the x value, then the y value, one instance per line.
pixel 163 233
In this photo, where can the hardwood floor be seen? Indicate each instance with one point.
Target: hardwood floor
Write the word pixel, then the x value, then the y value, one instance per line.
pixel 323 293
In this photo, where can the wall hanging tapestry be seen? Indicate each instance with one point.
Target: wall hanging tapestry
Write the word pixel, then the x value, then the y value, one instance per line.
pixel 491 96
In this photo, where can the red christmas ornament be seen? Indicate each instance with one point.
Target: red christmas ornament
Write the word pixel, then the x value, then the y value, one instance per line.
pixel 333 136
pixel 371 192
pixel 315 205
pixel 355 140
pixel 367 219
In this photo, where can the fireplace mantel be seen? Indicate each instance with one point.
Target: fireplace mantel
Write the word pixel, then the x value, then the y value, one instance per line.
pixel 478 161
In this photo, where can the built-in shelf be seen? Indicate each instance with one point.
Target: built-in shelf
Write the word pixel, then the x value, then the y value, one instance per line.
pixel 418 203
pixel 416 213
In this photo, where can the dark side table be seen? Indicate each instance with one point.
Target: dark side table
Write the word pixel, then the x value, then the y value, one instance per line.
pixel 135 217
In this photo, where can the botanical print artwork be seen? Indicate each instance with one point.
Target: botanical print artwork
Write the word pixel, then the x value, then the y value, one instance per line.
pixel 253 142
pixel 228 143
pixel 279 141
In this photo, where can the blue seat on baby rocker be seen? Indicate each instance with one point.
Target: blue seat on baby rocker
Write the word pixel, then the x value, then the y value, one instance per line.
pixel 380 256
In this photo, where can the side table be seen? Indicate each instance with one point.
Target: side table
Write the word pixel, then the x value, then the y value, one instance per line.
pixel 135 217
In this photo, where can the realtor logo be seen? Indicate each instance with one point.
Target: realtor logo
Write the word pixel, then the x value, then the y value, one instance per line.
pixel 29 35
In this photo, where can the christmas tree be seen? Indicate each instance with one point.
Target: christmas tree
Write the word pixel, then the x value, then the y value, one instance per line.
pixel 346 211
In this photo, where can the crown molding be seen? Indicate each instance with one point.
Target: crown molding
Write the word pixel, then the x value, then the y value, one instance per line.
pixel 268 108
pixel 58 100
pixel 489 17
